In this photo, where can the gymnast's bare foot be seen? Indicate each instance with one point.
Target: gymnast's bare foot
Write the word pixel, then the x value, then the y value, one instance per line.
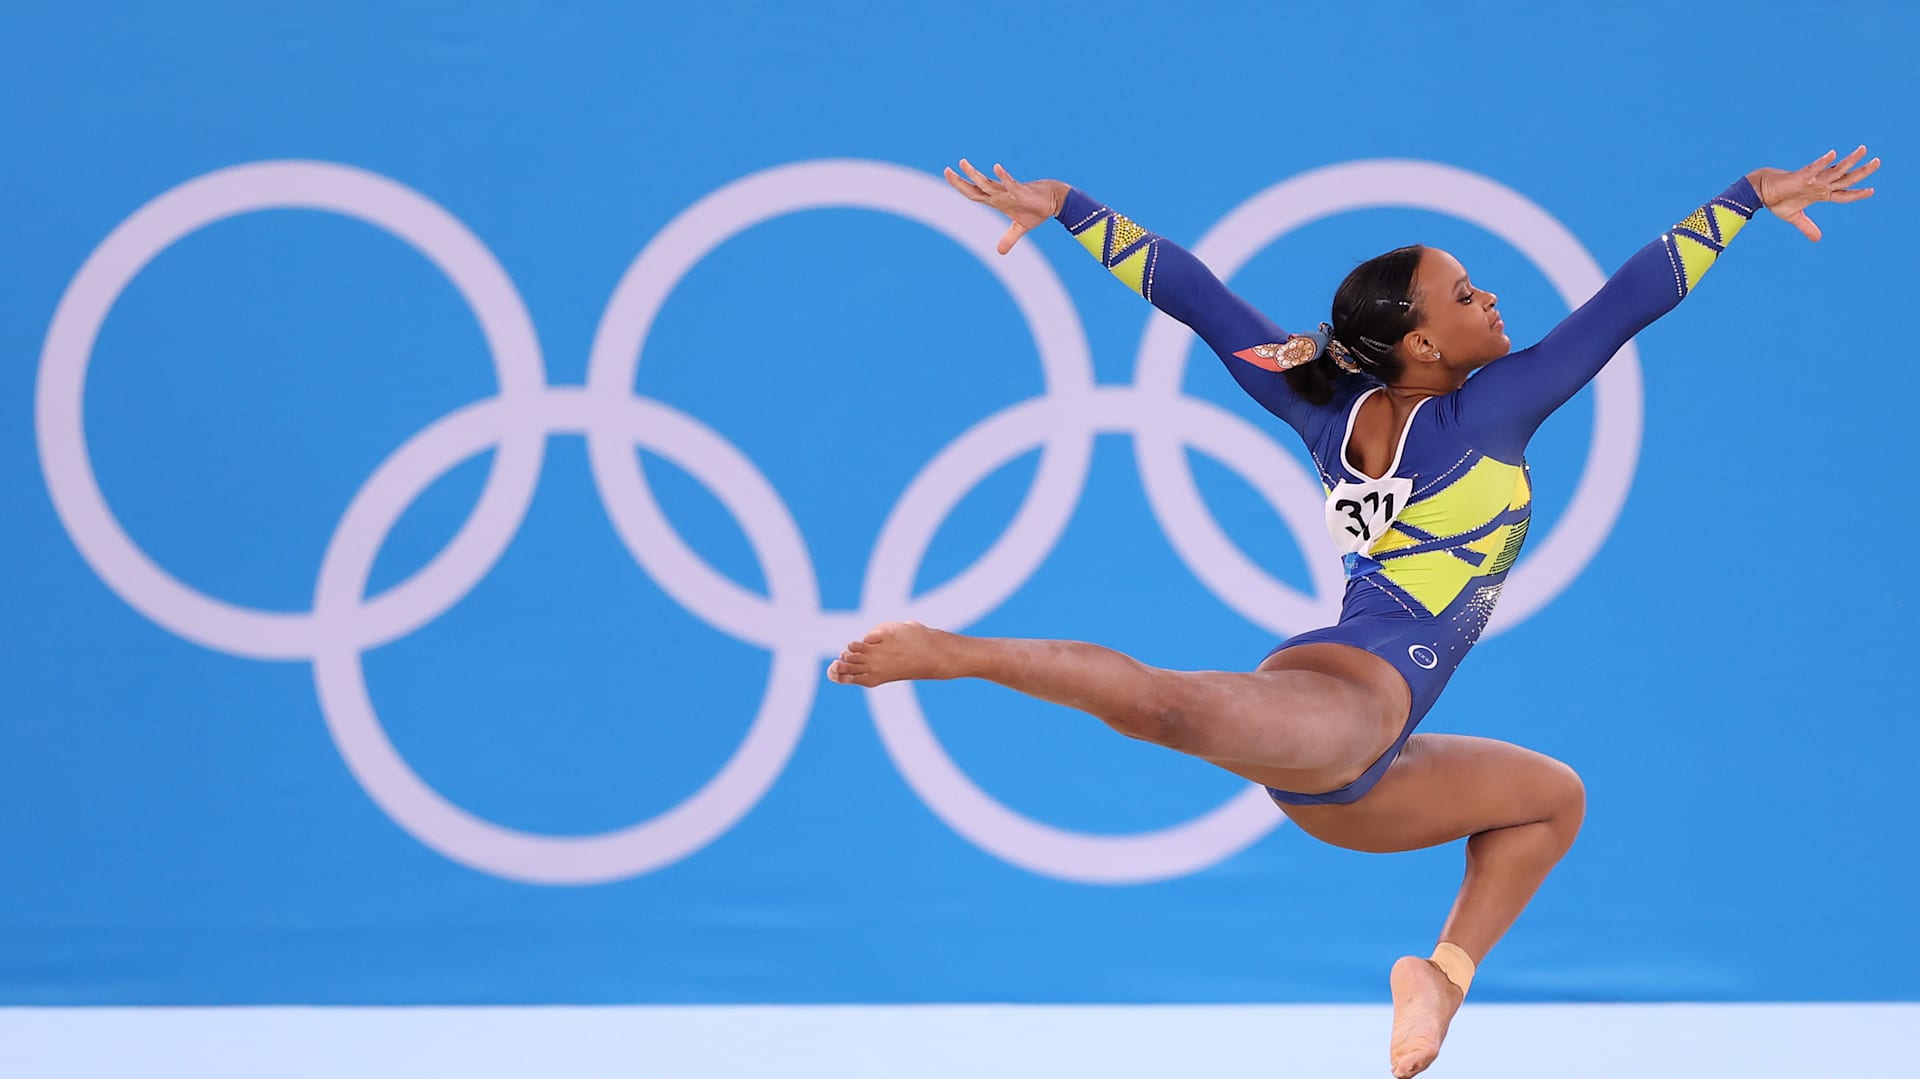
pixel 896 651
pixel 1424 1001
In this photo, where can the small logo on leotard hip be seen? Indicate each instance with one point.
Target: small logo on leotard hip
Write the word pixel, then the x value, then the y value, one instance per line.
pixel 1423 657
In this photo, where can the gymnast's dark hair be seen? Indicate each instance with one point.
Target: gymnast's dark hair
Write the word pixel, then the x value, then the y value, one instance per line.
pixel 1372 309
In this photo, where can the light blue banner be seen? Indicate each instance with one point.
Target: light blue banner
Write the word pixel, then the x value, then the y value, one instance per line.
pixel 447 440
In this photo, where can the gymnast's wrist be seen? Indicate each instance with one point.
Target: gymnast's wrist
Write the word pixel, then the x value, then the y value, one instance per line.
pixel 1074 205
pixel 1057 193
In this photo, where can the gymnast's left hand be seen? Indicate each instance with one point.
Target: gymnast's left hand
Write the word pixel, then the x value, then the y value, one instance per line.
pixel 1027 204
pixel 1788 194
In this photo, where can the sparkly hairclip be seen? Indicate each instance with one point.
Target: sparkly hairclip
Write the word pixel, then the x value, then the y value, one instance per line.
pixel 1347 359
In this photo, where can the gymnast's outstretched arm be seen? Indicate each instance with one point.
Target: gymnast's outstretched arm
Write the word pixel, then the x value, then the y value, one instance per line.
pixel 1166 275
pixel 1506 401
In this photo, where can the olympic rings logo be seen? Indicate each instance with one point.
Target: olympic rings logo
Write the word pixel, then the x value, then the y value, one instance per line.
pixel 790 620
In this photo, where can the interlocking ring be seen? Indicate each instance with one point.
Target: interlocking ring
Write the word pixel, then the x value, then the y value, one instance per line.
pixel 789 620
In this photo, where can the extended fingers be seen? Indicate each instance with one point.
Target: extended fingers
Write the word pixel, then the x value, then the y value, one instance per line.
pixel 975 184
pixel 965 188
pixel 1844 173
pixel 1851 160
pixel 1830 178
pixel 1854 176
pixel 978 177
pixel 1813 168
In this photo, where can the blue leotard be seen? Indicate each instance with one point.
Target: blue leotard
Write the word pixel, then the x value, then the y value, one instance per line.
pixel 1429 544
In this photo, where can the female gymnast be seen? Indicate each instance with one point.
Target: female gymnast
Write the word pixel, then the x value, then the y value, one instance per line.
pixel 1428 503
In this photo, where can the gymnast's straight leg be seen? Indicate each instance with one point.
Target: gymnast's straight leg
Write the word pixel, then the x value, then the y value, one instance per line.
pixel 1311 719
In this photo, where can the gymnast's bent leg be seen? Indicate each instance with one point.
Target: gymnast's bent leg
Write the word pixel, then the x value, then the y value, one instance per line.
pixel 1311 719
pixel 1519 811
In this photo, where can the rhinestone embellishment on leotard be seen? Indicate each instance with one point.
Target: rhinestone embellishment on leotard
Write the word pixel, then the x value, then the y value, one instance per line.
pixel 1125 234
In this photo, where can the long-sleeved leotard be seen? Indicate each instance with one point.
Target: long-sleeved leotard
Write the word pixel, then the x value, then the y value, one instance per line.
pixel 1428 544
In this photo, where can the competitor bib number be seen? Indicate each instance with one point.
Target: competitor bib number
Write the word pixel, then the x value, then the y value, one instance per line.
pixel 1358 514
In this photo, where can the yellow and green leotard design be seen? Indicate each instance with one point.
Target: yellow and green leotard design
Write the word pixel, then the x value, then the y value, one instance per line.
pixel 1422 579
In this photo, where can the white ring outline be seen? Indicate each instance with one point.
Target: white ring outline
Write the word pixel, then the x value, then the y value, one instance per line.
pixel 1146 409
pixel 342 624
pixel 651 844
pixel 274 185
pixel 1066 365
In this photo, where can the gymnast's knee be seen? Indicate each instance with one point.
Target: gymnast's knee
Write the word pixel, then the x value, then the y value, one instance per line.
pixel 1568 804
pixel 1160 717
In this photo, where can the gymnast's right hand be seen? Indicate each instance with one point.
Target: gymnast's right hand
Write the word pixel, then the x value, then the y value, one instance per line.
pixel 1028 204
pixel 1824 179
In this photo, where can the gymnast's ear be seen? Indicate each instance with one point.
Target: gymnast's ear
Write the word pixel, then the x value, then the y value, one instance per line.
pixel 1417 347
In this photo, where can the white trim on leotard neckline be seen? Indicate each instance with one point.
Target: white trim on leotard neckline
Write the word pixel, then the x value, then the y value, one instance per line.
pixel 1399 450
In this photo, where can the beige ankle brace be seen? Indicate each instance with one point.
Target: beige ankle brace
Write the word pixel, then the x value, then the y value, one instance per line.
pixel 1455 963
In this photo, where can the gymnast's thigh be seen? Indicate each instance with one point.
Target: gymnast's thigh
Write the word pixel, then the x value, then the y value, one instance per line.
pixel 1445 787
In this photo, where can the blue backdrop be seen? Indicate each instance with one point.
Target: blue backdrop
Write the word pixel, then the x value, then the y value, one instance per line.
pixel 1727 667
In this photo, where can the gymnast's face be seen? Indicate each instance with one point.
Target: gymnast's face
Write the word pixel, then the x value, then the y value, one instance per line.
pixel 1460 326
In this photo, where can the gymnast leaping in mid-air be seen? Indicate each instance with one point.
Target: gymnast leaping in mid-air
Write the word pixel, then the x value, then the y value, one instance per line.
pixel 1428 503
